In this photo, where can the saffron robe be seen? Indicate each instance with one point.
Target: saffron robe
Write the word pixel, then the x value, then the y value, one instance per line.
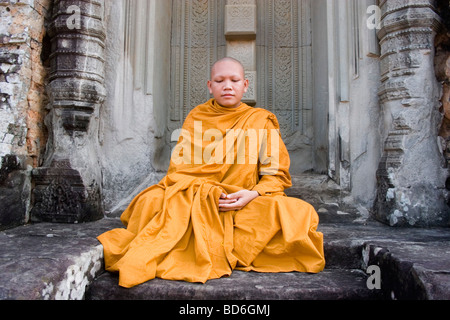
pixel 174 229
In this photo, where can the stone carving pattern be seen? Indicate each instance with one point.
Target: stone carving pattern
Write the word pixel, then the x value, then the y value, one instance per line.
pixel 288 63
pixel 240 2
pixel 61 196
pixel 240 19
pixel 250 95
pixel 283 28
pixel 283 70
pixel 60 201
pixel 199 44
pixel 244 51
pixel 196 43
pixel 77 64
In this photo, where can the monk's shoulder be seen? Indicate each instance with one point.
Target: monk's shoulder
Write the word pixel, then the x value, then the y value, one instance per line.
pixel 265 115
pixel 201 108
pixel 197 113
pixel 263 112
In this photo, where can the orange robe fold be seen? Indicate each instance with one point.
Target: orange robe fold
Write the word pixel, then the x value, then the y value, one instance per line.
pixel 174 229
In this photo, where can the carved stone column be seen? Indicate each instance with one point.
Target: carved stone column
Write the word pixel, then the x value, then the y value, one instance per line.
pixel 411 181
pixel 68 186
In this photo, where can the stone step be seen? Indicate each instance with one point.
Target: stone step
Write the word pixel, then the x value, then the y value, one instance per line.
pixel 331 203
pixel 414 264
pixel 343 279
pixel 61 261
pixel 331 284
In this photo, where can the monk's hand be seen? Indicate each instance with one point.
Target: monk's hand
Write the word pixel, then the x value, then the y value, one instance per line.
pixel 237 200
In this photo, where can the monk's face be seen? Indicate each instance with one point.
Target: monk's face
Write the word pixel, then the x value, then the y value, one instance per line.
pixel 228 83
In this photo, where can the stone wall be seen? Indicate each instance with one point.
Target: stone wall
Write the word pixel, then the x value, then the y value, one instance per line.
pixel 23 77
pixel 353 112
pixel 133 120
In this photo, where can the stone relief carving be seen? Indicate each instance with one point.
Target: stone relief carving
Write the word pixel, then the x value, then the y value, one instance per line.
pixel 284 65
pixel 244 51
pixel 77 64
pixel 61 196
pixel 240 20
pixel 287 62
pixel 197 41
pixel 279 60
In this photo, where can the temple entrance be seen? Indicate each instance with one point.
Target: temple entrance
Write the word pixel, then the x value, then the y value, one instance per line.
pixel 284 59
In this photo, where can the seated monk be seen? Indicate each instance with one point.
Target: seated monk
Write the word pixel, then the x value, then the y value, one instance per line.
pixel 221 205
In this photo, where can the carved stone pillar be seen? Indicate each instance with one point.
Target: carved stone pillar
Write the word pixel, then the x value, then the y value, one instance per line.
pixel 67 188
pixel 411 181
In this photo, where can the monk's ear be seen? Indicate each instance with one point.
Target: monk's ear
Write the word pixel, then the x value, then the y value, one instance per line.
pixel 209 86
pixel 246 84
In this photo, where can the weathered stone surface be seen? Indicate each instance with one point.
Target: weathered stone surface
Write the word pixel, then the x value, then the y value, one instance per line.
pixel 414 263
pixel 332 284
pixel 61 261
pixel 22 102
pixel 411 180
pixel 442 69
pixel 333 204
pixel 126 55
pixel 68 184
pixel 50 261
pixel 14 192
pixel 412 267
pixel 240 20
pixel 61 196
pixel 411 272
pixel 133 120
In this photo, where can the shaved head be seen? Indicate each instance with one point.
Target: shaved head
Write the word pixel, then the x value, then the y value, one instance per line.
pixel 227 59
pixel 228 83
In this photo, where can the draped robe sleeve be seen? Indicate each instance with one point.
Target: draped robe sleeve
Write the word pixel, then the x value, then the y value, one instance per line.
pixel 272 180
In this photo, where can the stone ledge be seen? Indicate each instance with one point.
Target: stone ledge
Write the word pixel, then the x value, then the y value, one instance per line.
pixel 331 284
pixel 414 262
pixel 62 261
pixel 50 261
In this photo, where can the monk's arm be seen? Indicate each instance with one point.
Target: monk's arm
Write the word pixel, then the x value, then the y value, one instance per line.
pixel 274 168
